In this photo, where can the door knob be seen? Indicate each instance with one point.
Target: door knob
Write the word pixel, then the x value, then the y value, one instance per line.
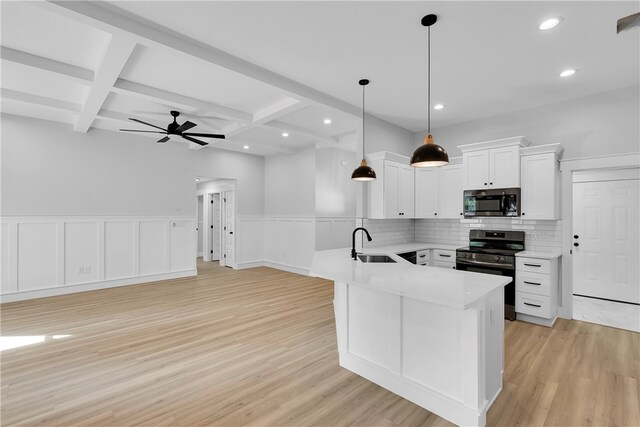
pixel 576 244
pixel 575 236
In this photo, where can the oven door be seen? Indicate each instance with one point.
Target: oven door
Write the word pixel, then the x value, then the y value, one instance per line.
pixel 509 289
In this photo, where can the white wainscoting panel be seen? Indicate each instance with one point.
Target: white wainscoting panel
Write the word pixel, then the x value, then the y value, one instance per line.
pixel 38 254
pixel 80 252
pixel 44 256
pixel 305 240
pixel 250 240
pixel 333 233
pixel 152 247
pixel 181 242
pixel 118 249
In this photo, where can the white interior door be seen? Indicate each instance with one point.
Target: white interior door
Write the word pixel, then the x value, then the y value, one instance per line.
pixel 215 226
pixel 199 227
pixel 605 228
pixel 228 212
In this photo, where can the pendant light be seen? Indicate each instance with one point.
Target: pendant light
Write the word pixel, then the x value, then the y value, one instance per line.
pixel 429 154
pixel 363 172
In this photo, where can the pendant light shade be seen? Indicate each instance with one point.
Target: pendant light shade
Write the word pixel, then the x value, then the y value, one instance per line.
pixel 429 154
pixel 363 172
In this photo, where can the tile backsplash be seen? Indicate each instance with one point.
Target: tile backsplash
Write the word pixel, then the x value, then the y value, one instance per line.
pixel 389 231
pixel 541 236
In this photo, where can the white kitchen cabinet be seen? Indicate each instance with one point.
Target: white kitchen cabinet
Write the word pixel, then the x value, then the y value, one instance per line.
pixel 537 290
pixel 391 195
pixel 541 182
pixel 444 258
pixel 492 164
pixel 426 192
pixel 450 191
pixel 438 191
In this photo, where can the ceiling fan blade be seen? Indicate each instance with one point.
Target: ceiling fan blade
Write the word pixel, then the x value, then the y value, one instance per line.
pixel 165 139
pixel 185 126
pixel 145 131
pixel 148 124
pixel 188 138
pixel 207 135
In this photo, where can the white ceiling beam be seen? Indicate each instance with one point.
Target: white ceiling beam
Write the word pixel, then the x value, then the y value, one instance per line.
pixel 40 100
pixel 114 58
pixel 77 74
pixel 113 20
pixel 174 99
pixel 272 112
pixel 291 128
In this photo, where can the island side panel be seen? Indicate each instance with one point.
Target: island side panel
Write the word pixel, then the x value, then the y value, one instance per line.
pixel 420 350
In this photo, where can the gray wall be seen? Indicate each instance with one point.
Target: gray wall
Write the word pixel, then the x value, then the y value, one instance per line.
pixel 600 124
pixel 48 169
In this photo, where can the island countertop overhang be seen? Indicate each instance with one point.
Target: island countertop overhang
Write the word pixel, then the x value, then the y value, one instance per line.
pixel 451 288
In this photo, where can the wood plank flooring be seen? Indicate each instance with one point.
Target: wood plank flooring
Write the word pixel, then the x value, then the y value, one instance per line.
pixel 258 348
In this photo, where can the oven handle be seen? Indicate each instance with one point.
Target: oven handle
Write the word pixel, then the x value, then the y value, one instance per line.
pixel 490 264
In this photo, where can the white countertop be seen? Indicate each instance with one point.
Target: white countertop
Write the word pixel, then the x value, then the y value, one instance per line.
pixel 539 255
pixel 412 246
pixel 452 288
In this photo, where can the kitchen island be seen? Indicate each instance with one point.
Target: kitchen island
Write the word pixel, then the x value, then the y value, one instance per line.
pixel 431 335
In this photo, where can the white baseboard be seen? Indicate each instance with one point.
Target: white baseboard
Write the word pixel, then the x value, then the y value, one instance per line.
pixel 537 320
pixel 249 264
pixel 286 267
pixel 41 293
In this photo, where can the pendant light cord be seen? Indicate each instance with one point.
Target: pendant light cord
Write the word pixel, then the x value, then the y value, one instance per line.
pixel 363 139
pixel 429 80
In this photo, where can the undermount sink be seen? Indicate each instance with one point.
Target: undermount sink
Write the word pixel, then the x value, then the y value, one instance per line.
pixel 375 258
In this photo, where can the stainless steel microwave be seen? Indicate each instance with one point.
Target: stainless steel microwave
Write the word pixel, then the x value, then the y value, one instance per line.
pixel 495 202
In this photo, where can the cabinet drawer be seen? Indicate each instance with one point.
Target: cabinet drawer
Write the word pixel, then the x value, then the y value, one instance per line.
pixel 423 256
pixel 444 255
pixel 535 305
pixel 424 264
pixel 443 264
pixel 534 283
pixel 533 265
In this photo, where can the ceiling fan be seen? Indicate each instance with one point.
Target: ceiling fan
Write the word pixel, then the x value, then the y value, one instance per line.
pixel 175 129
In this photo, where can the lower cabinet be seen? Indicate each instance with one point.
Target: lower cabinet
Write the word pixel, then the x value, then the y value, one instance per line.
pixel 423 257
pixel 537 290
pixel 444 258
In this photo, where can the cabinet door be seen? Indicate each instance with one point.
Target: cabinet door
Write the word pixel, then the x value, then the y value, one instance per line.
pixel 476 169
pixel 450 191
pixel 504 167
pixel 406 192
pixel 391 183
pixel 426 192
pixel 538 186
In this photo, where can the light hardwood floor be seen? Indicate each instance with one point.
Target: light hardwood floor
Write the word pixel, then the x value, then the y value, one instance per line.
pixel 258 347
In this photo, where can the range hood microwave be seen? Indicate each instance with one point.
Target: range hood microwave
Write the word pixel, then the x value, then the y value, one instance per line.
pixel 495 202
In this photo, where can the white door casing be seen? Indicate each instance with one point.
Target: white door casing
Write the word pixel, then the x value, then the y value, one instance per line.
pixel 605 219
pixel 216 229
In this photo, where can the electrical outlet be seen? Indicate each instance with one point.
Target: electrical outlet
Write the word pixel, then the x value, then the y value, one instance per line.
pixel 87 269
pixel 81 270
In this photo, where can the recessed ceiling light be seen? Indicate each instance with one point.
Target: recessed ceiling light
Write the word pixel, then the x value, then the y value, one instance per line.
pixel 438 106
pixel 197 179
pixel 567 73
pixel 246 147
pixel 550 23
pixel 327 121
pixel 285 134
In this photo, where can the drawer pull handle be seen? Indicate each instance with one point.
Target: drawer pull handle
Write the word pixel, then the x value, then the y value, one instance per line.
pixel 533 305
pixel 532 265
pixel 532 283
pixel 422 256
pixel 443 255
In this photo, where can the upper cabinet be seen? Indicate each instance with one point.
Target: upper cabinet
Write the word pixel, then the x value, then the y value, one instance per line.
pixel 391 195
pixel 492 164
pixel 439 191
pixel 541 182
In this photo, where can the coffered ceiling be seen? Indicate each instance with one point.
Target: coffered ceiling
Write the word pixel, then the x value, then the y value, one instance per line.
pixel 258 70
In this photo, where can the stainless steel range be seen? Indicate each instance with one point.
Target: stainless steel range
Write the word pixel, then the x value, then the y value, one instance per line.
pixel 493 252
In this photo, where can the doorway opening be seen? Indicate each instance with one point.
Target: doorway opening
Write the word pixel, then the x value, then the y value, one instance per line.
pixel 218 220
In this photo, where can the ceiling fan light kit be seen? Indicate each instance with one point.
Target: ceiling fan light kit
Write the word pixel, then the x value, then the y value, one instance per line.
pixel 429 154
pixel 177 130
pixel 363 172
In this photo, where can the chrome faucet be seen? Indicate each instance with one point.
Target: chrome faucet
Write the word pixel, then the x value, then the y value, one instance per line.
pixel 354 254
